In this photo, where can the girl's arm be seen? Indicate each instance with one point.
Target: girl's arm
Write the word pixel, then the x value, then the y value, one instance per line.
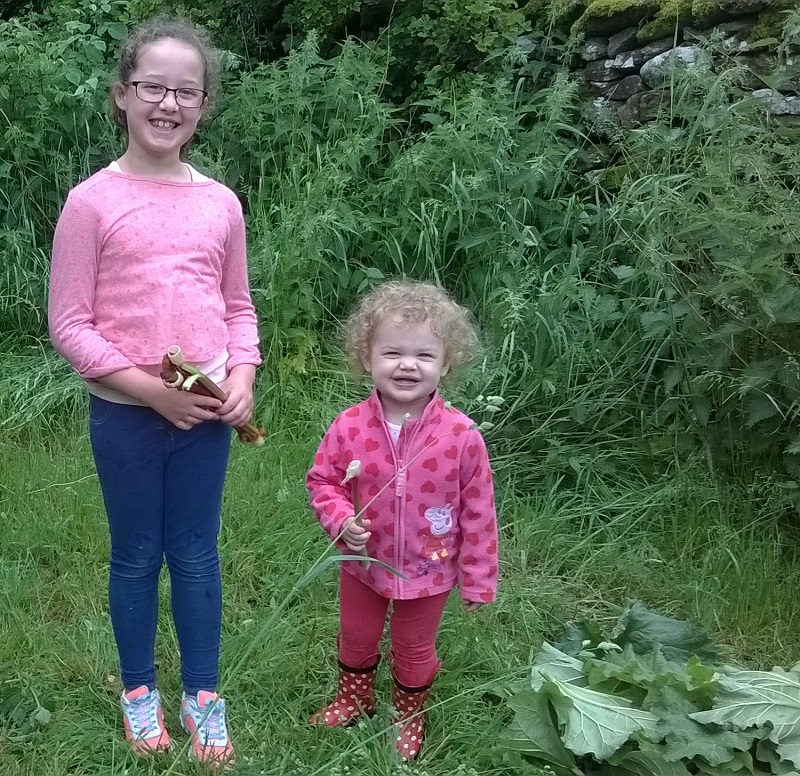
pixel 238 407
pixel 330 500
pixel 478 558
pixel 242 326
pixel 240 314
pixel 73 277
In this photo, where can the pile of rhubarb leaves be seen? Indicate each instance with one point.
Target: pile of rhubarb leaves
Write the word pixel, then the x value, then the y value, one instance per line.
pixel 650 698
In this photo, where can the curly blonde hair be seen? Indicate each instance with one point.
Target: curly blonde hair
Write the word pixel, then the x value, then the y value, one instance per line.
pixel 412 302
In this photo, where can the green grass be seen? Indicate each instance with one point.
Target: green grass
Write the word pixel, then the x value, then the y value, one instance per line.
pixel 638 301
pixel 684 544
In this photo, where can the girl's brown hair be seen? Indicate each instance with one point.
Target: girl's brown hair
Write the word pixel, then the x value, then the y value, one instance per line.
pixel 151 31
pixel 412 301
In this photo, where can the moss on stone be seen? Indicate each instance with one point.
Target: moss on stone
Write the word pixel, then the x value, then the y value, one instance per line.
pixel 772 22
pixel 670 14
pixel 564 11
pixel 606 8
pixel 598 10
pixel 659 16
pixel 703 9
pixel 534 9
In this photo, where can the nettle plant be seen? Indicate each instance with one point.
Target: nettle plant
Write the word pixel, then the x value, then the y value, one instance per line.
pixel 650 698
pixel 53 133
pixel 703 241
pixel 53 80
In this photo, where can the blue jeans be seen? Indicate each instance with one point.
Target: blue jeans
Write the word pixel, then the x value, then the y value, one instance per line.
pixel 162 489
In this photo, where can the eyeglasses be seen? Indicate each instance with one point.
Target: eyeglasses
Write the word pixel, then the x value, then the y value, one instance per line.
pixel 147 91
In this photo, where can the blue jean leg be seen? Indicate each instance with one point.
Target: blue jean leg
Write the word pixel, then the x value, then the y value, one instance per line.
pixel 192 506
pixel 162 490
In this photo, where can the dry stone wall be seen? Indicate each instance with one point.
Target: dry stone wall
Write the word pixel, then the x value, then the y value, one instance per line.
pixel 627 82
pixel 626 65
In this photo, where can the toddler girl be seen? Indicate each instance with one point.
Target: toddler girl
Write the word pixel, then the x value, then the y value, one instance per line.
pixel 425 483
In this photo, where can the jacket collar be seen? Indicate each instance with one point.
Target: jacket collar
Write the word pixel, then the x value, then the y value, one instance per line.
pixel 429 415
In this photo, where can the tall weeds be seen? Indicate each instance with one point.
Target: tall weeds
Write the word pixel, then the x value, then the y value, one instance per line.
pixel 701 224
pixel 52 134
pixel 638 299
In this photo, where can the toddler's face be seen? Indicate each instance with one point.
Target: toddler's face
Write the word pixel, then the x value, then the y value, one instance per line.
pixel 406 361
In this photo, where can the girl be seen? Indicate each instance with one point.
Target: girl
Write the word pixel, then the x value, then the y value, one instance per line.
pixel 149 253
pixel 435 522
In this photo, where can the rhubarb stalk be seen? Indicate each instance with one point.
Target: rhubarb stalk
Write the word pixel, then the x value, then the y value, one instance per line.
pixel 176 373
pixel 351 473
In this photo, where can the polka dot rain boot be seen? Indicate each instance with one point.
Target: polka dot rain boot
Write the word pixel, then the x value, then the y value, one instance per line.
pixel 354 699
pixel 408 703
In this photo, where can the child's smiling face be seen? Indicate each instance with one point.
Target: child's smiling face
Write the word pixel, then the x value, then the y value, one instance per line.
pixel 159 129
pixel 406 361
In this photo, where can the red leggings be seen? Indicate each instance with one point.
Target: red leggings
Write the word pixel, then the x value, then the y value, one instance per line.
pixel 412 625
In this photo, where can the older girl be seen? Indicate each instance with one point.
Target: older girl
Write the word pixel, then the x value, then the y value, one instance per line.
pixel 150 253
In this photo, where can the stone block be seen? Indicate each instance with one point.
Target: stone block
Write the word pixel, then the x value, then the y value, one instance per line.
pixel 658 71
pixel 777 104
pixel 626 88
pixel 621 41
pixel 641 108
pixel 594 48
pixel 601 70
pixel 628 62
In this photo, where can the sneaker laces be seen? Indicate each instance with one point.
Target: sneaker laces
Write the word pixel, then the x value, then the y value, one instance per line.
pixel 143 715
pixel 213 730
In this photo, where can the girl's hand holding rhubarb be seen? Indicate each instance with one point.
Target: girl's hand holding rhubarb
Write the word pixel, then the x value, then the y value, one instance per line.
pixel 356 534
pixel 183 409
pixel 238 407
pixel 472 606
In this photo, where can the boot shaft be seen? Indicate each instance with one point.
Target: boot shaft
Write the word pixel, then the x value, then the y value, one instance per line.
pixel 409 706
pixel 355 698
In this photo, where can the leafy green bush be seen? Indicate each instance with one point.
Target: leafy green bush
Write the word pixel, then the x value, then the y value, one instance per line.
pixel 303 138
pixel 431 43
pixel 436 40
pixel 700 222
pixel 638 299
pixel 53 82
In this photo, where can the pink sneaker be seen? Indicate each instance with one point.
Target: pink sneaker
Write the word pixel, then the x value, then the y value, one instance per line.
pixel 203 719
pixel 144 721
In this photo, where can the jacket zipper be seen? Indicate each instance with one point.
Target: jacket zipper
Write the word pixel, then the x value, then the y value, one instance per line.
pixel 404 444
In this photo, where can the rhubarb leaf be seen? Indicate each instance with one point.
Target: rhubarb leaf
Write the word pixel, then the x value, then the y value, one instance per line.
pixel 559 666
pixel 593 722
pixel 765 699
pixel 533 731
pixel 579 635
pixel 652 670
pixel 740 765
pixel 766 753
pixel 686 738
pixel 647 761
pixel 644 671
pixel 645 630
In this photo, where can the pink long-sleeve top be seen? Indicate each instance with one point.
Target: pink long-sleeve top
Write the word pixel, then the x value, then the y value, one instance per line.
pixel 140 264
pixel 435 522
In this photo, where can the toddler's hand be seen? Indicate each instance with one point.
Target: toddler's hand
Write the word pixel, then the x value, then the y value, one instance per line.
pixel 355 536
pixel 473 606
